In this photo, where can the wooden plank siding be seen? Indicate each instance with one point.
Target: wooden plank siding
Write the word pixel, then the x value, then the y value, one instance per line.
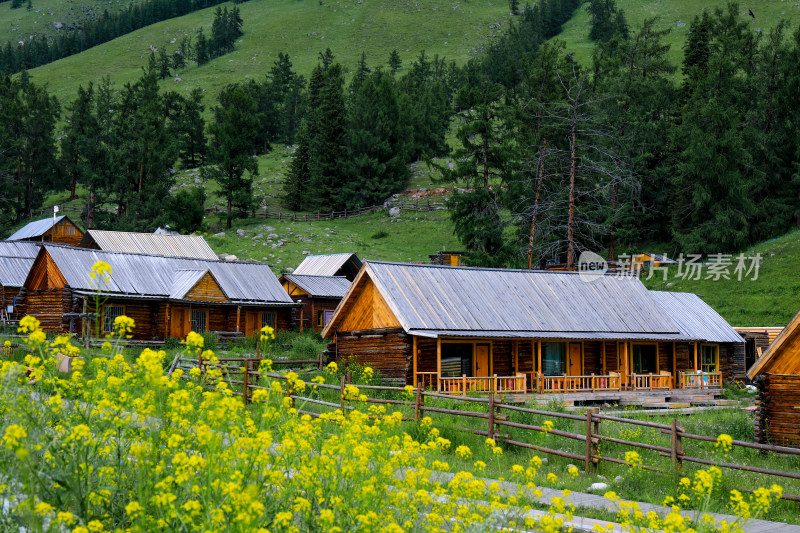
pixel 386 351
pixel 777 417
pixel 368 311
pixel 206 290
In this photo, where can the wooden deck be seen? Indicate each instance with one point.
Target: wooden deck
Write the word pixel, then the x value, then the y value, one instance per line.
pixel 662 399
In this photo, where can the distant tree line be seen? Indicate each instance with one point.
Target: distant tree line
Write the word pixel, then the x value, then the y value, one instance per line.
pixel 557 157
pixel 40 50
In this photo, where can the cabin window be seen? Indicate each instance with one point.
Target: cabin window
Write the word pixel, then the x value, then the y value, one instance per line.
pixel 709 358
pixel 110 312
pixel 554 358
pixel 268 319
pixel 199 321
pixel 644 359
pixel 456 359
pixel 320 318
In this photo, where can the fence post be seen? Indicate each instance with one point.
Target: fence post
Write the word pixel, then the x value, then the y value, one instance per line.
pixel 200 362
pixel 463 385
pixel 676 445
pixel 420 399
pixel 491 416
pixel 592 428
pixel 341 396
pixel 244 380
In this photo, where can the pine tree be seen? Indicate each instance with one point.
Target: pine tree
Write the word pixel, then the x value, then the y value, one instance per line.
pixel 163 64
pixel 514 6
pixel 394 61
pixel 298 181
pixel 234 126
pixel 201 49
pixel 608 21
pixel 360 75
pixel 328 141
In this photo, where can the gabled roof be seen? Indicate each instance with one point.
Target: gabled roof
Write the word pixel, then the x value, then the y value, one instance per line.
pixel 320 286
pixel 37 228
pixel 435 301
pixel 346 264
pixel 25 249
pixel 14 270
pixel 660 258
pixel 694 317
pixel 152 275
pixel 194 246
pixel 185 280
pixel 776 347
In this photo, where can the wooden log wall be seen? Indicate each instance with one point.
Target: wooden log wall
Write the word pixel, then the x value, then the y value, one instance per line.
pixel 525 356
pixel 665 356
pixel 591 357
pixel 502 358
pixel 144 315
pixel 426 355
pixel 777 417
pixel 386 351
pixel 612 359
pixel 684 356
pixel 726 364
pixel 48 306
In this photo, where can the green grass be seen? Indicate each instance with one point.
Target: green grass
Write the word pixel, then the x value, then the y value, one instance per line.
pixel 453 29
pixel 771 300
pixel 676 15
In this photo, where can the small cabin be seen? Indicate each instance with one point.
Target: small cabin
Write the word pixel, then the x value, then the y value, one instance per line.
pixel 320 295
pixel 166 296
pixel 651 260
pixel 16 260
pixel 466 329
pixel 344 264
pixel 777 375
pixel 53 230
pixel 166 244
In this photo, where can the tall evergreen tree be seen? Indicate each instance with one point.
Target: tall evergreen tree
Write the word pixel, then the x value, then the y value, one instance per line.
pixel 231 161
pixel 394 61
pixel 298 180
pixel 328 141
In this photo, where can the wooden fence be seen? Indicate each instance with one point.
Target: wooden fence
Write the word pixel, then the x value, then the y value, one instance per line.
pixel 331 215
pixel 497 420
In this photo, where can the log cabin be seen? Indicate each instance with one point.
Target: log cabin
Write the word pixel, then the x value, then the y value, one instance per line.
pixel 16 259
pixel 465 329
pixel 777 376
pixel 166 296
pixel 55 230
pixel 344 264
pixel 320 295
pixel 166 244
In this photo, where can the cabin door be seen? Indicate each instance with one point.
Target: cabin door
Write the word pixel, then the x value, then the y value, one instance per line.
pixel 575 359
pixel 251 323
pixel 179 323
pixel 482 360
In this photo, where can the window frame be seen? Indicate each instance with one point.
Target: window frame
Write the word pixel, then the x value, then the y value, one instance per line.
pixel 715 347
pixel 192 311
pixel 564 357
pixel 655 346
pixel 106 306
pixel 274 324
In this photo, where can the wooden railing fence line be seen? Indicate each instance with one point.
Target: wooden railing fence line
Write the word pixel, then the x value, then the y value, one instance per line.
pixel 497 419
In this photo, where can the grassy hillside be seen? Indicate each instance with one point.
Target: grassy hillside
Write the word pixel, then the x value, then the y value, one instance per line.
pixel 771 300
pixel 19 24
pixel 303 28
pixel 677 15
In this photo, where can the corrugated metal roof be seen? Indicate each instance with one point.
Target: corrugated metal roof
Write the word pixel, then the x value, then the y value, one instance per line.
pixel 326 265
pixel 440 298
pixel 194 246
pixel 37 228
pixel 555 335
pixel 154 275
pixel 321 286
pixel 183 282
pixel 694 317
pixel 19 249
pixel 14 270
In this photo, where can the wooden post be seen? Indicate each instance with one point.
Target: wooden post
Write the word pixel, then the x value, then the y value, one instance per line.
pixel 244 380
pixel 491 416
pixel 438 363
pixel 695 357
pixel 463 385
pixel 589 464
pixel 674 365
pixel 418 403
pixel 414 354
pixel 676 445
pixel 341 395
pixel 539 356
pixel 301 320
pixel 603 357
pixel 200 361
pixel 166 323
pixel 238 316
pixel 515 349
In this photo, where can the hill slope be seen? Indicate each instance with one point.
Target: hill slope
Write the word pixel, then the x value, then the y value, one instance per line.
pixel 452 29
pixel 771 300
pixel 677 15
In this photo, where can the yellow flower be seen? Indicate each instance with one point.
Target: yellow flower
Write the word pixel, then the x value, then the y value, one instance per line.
pixel 194 340
pixel 463 452
pixel 13 435
pixel 490 443
pixel 28 324
pixel 123 325
pixel 547 426
pixel 333 367
pixel 479 466
pixel 573 471
pixel 552 478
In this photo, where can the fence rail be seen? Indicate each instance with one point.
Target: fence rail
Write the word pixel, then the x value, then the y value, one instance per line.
pixel 497 419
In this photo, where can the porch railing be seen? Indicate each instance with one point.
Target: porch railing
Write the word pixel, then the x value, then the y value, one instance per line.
pixel 651 381
pixel 589 383
pixel 467 384
pixel 699 380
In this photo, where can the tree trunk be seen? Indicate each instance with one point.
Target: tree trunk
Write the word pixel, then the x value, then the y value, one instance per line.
pixel 536 206
pixel 229 214
pixel 613 228
pixel 90 211
pixel 571 224
pixel 72 195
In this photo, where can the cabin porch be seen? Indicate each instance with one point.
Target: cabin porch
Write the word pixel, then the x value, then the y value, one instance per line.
pixel 546 366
